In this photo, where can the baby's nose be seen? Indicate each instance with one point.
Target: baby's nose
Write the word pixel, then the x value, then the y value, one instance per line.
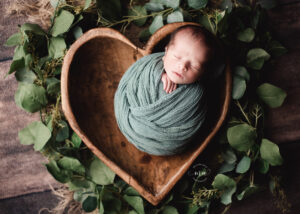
pixel 182 66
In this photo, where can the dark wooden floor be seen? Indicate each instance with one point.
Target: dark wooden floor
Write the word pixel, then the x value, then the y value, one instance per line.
pixel 24 181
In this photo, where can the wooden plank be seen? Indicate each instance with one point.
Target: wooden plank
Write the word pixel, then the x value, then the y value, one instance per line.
pixel 21 168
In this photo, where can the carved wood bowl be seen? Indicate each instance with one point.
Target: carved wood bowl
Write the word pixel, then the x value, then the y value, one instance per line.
pixel 91 71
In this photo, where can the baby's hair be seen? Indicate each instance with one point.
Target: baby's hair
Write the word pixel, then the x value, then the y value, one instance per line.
pixel 202 35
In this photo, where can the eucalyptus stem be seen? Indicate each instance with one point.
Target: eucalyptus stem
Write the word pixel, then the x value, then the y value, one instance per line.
pixel 226 209
pixel 244 114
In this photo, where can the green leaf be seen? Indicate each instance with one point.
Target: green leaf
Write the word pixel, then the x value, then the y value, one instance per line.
pixel 269 151
pixel 87 3
pixel 144 35
pixel 132 212
pixel 15 65
pixel 239 87
pixel 62 23
pixel 247 192
pixel 101 208
pixel 256 58
pixel 19 53
pixel 226 5
pixel 71 164
pixel 136 202
pixel 263 166
pixel 89 204
pixel 226 185
pixel 36 29
pixel 244 165
pixel 75 140
pixel 30 97
pixel 77 32
pixel 57 47
pixel 63 132
pixel 111 9
pixel 22 75
pixel 131 191
pixel 14 40
pixel 53 85
pixel 138 11
pixel 154 7
pixel 35 133
pixel 229 156
pixel 241 137
pixel 197 4
pixel 175 17
pixel 242 72
pixel 171 3
pixel 271 95
pixel 62 176
pixel 227 167
pixel 190 209
pixel 246 35
pixel 80 183
pixel 169 210
pixel 207 23
pixel 100 173
pixel 276 49
pixel 156 24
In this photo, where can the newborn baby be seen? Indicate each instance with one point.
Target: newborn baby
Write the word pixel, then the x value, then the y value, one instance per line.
pixel 186 56
pixel 160 104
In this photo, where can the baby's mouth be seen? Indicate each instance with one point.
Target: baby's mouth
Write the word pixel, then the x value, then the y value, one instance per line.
pixel 177 74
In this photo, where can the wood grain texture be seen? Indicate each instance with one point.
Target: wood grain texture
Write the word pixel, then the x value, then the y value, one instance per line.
pixel 21 168
pixel 283 123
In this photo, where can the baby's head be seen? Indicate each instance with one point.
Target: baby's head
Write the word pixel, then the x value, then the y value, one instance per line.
pixel 188 54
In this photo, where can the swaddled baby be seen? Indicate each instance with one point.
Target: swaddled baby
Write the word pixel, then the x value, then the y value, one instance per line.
pixel 160 103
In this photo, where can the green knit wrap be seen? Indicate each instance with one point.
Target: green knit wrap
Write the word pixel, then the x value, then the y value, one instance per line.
pixel 152 120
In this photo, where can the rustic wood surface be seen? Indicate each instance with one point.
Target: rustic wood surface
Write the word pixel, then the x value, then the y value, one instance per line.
pixel 282 124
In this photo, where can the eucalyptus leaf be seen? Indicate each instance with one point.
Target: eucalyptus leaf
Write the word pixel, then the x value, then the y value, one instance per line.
pixel 197 4
pixel 62 176
pixel 35 28
pixel 263 166
pixel 244 165
pixel 144 35
pixel 226 5
pixel 175 17
pixel 14 40
pixel 22 75
pixel 112 206
pixel 35 133
pixel 246 35
pixel 15 65
pixel 87 4
pixel 169 210
pixel 30 97
pixel 241 137
pixel 136 202
pixel 62 23
pixel 242 72
pixel 226 185
pixel 131 191
pixel 226 167
pixel 76 140
pixel 71 164
pixel 100 173
pixel 239 87
pixel 229 156
pixel 247 192
pixel 190 209
pixel 271 95
pixel 77 32
pixel 138 11
pixel 269 151
pixel 276 49
pixel 256 58
pixel 101 207
pixel 154 7
pixel 171 3
pixel 207 23
pixel 19 53
pixel 89 204
pixel 156 24
pixel 63 132
pixel 57 47
pixel 78 183
pixel 53 85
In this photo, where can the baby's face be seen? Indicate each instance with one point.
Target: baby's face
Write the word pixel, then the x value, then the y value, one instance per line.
pixel 184 58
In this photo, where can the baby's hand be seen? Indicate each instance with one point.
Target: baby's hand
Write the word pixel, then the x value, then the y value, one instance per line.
pixel 169 86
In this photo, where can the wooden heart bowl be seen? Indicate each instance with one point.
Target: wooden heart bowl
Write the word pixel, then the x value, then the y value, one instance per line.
pixel 92 69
